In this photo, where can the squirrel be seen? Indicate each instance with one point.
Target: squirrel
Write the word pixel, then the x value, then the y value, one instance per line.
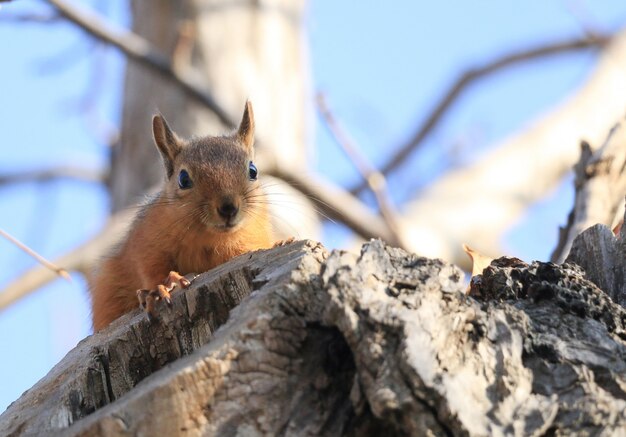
pixel 210 209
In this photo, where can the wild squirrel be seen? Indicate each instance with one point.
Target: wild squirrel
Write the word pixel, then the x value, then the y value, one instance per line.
pixel 210 209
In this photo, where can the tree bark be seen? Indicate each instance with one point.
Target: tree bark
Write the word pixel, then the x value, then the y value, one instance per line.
pixel 383 342
pixel 602 255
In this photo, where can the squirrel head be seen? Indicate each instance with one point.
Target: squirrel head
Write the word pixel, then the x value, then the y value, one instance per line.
pixel 210 179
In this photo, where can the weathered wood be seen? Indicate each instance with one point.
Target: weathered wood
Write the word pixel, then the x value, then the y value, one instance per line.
pixel 106 365
pixel 600 183
pixel 602 256
pixel 379 343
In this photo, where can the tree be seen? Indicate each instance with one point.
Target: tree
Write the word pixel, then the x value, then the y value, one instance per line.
pixel 175 71
pixel 383 342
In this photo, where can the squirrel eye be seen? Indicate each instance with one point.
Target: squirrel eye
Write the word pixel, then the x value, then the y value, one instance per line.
pixel 184 181
pixel 252 171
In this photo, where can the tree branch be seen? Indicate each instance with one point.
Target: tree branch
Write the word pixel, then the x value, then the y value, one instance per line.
pixel 600 183
pixel 478 203
pixel 471 76
pixel 61 172
pixel 337 204
pixel 40 259
pixel 30 18
pixel 139 50
pixel 80 259
pixel 374 179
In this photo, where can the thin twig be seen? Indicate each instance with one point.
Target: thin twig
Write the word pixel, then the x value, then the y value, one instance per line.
pixel 469 77
pixel 375 180
pixel 30 18
pixel 140 50
pixel 58 270
pixel 79 259
pixel 48 174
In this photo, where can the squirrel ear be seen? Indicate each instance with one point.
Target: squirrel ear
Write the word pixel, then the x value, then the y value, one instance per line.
pixel 246 127
pixel 166 141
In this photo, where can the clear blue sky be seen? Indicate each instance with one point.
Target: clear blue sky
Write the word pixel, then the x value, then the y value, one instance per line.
pixel 383 66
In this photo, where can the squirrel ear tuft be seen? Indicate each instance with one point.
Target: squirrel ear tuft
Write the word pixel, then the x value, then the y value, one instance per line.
pixel 166 141
pixel 246 127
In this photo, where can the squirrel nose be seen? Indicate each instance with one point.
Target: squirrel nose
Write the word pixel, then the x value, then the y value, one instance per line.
pixel 228 210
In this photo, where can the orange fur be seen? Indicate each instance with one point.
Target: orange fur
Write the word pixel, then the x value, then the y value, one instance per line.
pixel 180 230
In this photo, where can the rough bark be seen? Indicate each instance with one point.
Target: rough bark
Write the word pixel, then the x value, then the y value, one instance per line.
pixel 603 257
pixel 105 366
pixel 383 342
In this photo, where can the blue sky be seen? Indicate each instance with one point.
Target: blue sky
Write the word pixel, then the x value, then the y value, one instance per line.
pixel 383 66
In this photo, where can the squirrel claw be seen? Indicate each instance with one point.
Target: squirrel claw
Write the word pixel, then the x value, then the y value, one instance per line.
pixel 281 243
pixel 176 279
pixel 148 299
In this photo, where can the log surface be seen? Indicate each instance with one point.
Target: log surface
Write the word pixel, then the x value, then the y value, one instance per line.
pixel 381 342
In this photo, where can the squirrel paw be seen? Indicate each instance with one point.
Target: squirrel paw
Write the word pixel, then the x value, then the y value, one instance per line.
pixel 285 242
pixel 175 279
pixel 148 299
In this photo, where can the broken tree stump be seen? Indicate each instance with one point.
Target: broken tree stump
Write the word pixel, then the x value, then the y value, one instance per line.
pixel 602 255
pixel 377 343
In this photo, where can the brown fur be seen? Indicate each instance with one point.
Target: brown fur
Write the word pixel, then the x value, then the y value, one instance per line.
pixel 181 230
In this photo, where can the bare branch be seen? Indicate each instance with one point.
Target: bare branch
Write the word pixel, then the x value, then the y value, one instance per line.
pixel 478 203
pixel 61 172
pixel 80 259
pixel 375 180
pixel 600 183
pixel 471 76
pixel 337 203
pixel 140 50
pixel 40 259
pixel 35 18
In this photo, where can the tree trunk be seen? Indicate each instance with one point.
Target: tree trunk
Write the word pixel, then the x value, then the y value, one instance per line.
pixel 384 342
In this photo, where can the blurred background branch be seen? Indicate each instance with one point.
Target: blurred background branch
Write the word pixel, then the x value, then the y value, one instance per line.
pixel 471 76
pixel 49 174
pixel 374 179
pixel 80 259
pixel 139 50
